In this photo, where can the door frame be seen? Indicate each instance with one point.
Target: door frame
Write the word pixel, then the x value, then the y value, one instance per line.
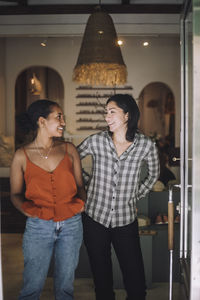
pixel 195 238
pixel 190 257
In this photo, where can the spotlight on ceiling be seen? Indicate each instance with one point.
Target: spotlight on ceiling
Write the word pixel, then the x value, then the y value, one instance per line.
pixel 145 44
pixel 120 42
pixel 44 43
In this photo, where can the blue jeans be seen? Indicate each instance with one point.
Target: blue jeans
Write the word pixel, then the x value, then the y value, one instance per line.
pixel 42 239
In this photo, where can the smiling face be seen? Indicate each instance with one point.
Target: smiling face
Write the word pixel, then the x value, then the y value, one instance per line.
pixel 54 124
pixel 115 117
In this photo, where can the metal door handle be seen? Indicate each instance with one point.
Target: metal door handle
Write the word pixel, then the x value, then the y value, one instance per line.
pixel 178 208
pixel 175 158
pixel 186 210
pixel 178 158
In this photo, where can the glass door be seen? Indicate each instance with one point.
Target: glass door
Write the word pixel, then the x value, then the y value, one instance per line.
pixel 190 148
pixel 195 224
pixel 186 142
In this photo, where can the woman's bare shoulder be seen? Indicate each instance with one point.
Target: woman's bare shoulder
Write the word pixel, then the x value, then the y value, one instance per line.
pixel 19 157
pixel 20 153
pixel 71 149
pixel 60 145
pixel 70 146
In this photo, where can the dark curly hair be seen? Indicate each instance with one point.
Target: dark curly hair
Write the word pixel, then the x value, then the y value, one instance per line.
pixel 27 121
pixel 128 104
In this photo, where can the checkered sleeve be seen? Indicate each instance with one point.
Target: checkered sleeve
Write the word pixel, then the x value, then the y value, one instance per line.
pixel 84 149
pixel 153 167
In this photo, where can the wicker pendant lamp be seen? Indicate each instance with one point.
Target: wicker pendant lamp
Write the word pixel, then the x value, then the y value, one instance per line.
pixel 100 60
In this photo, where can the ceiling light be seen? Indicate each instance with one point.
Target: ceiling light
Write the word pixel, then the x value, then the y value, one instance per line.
pixel 145 44
pixel 120 42
pixel 100 61
pixel 43 43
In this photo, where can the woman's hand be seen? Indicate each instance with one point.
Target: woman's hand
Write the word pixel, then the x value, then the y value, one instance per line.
pixel 82 209
pixel 29 216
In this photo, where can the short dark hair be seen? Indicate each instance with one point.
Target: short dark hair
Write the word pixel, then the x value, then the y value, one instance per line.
pixel 27 121
pixel 128 104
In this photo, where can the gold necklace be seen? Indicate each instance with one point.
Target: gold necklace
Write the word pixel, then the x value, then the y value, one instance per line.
pixel 41 155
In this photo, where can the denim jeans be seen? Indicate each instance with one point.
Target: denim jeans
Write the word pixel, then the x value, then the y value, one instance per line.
pixel 42 239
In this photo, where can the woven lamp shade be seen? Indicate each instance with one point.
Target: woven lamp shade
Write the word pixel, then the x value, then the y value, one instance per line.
pixel 100 60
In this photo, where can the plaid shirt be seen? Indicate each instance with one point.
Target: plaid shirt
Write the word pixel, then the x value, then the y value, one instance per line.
pixel 115 185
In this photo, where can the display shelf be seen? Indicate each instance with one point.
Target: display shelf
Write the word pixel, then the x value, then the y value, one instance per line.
pixel 101 94
pixel 91 128
pixel 91 112
pixel 94 95
pixel 91 120
pixel 90 104
pixel 126 87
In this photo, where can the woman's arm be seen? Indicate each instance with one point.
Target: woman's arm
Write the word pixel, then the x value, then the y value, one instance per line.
pixel 153 171
pixel 77 171
pixel 84 150
pixel 17 181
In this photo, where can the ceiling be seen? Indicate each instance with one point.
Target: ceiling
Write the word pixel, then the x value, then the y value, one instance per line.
pixel 45 7
pixel 53 18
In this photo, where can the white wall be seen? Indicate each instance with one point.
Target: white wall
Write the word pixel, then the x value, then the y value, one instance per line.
pixel 158 62
pixel 60 54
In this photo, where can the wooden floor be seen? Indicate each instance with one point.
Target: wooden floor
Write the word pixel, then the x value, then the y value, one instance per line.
pixel 12 264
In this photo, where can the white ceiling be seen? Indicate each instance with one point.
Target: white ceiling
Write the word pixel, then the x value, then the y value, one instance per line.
pixel 74 24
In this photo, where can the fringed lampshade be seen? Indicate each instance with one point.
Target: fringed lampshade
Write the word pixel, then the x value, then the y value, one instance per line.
pixel 100 60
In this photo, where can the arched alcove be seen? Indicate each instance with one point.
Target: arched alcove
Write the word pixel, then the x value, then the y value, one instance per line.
pixel 33 83
pixel 157 108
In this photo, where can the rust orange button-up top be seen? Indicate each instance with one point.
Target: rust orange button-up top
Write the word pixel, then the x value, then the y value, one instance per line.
pixel 51 195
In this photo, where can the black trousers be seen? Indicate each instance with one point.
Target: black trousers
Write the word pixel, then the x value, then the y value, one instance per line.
pixel 126 243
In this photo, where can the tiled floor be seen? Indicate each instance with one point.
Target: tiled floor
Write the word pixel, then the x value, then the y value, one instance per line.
pixel 12 263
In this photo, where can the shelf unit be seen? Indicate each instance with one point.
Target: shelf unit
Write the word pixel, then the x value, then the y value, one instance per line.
pixel 91 106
